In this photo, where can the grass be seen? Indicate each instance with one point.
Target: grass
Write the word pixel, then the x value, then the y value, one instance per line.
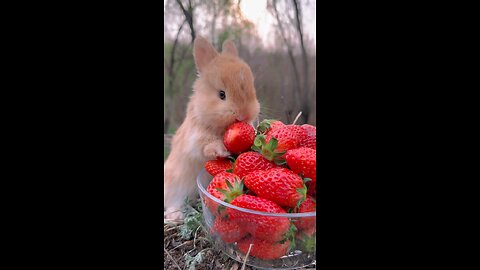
pixel 166 151
pixel 188 246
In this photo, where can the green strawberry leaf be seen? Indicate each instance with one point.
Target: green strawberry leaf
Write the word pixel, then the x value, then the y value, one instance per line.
pixel 257 141
pixel 308 243
pixel 234 191
pixel 220 209
pixel 305 180
pixel 256 149
pixel 272 144
pixel 224 192
pixel 228 184
pixel 280 162
pixel 290 236
pixel 264 125
pixel 302 191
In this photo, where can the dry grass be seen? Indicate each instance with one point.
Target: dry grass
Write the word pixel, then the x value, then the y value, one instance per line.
pixel 175 248
pixel 187 246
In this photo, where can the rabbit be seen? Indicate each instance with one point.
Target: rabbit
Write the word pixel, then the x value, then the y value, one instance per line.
pixel 223 93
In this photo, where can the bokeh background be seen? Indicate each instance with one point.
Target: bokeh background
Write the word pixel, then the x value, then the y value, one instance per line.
pixel 276 38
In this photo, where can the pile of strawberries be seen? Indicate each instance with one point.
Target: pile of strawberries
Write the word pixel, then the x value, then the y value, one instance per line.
pixel 273 170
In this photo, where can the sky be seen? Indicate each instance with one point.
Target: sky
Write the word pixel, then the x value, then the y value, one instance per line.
pixel 256 12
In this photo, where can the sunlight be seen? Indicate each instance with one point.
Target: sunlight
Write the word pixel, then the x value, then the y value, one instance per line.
pixel 256 12
pixel 253 10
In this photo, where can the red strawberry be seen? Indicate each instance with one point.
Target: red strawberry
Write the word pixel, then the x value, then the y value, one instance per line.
pixel 275 125
pixel 239 137
pixel 228 230
pixel 268 125
pixel 274 145
pixel 311 188
pixel 299 130
pixel 251 161
pixel 279 185
pixel 259 226
pixel 262 249
pixel 310 138
pixel 307 206
pixel 308 232
pixel 287 137
pixel 306 240
pixel 303 161
pixel 216 166
pixel 224 186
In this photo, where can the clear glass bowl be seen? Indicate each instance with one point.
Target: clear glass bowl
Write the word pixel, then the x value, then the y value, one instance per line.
pixel 301 255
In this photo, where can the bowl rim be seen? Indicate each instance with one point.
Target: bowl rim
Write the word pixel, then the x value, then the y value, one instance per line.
pixel 287 215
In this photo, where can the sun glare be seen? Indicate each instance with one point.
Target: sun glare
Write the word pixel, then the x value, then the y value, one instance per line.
pixel 253 10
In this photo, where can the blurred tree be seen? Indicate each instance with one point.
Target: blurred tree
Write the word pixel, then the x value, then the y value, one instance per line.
pixel 284 71
pixel 294 24
pixel 188 16
pixel 304 93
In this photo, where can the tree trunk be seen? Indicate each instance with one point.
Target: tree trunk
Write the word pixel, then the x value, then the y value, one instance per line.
pixel 305 91
pixel 214 23
pixel 189 17
pixel 297 89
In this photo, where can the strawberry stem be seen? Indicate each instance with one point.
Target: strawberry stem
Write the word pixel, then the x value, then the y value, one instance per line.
pixel 233 191
pixel 264 125
pixel 267 149
pixel 302 191
pixel 305 180
pixel 296 118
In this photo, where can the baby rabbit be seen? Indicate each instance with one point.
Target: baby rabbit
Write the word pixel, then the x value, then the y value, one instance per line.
pixel 222 94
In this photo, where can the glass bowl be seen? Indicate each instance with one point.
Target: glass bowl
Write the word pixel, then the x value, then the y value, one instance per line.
pixel 234 244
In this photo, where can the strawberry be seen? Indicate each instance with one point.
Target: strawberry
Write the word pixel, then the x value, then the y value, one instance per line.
pixel 228 230
pixel 311 188
pixel 262 249
pixel 309 205
pixel 268 125
pixel 279 185
pixel 225 186
pixel 239 137
pixel 259 226
pixel 288 137
pixel 275 144
pixel 216 166
pixel 303 161
pixel 306 240
pixel 251 161
pixel 299 130
pixel 310 138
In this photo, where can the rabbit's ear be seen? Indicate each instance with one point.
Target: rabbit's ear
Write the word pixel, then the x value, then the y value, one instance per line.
pixel 203 52
pixel 229 47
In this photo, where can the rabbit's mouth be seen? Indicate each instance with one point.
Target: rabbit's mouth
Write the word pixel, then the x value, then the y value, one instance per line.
pixel 240 118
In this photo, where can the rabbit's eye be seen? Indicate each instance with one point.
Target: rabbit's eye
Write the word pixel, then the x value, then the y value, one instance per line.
pixel 221 94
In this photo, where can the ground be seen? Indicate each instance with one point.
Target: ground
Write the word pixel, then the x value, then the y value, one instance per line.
pixel 186 246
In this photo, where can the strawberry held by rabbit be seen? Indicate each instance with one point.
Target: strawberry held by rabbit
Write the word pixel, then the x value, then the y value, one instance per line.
pixel 222 94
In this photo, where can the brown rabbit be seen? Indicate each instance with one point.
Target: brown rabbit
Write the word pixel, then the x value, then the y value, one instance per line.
pixel 223 93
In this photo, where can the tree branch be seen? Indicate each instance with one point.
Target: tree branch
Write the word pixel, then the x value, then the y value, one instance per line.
pixel 175 43
pixel 305 90
pixel 188 16
pixel 289 50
